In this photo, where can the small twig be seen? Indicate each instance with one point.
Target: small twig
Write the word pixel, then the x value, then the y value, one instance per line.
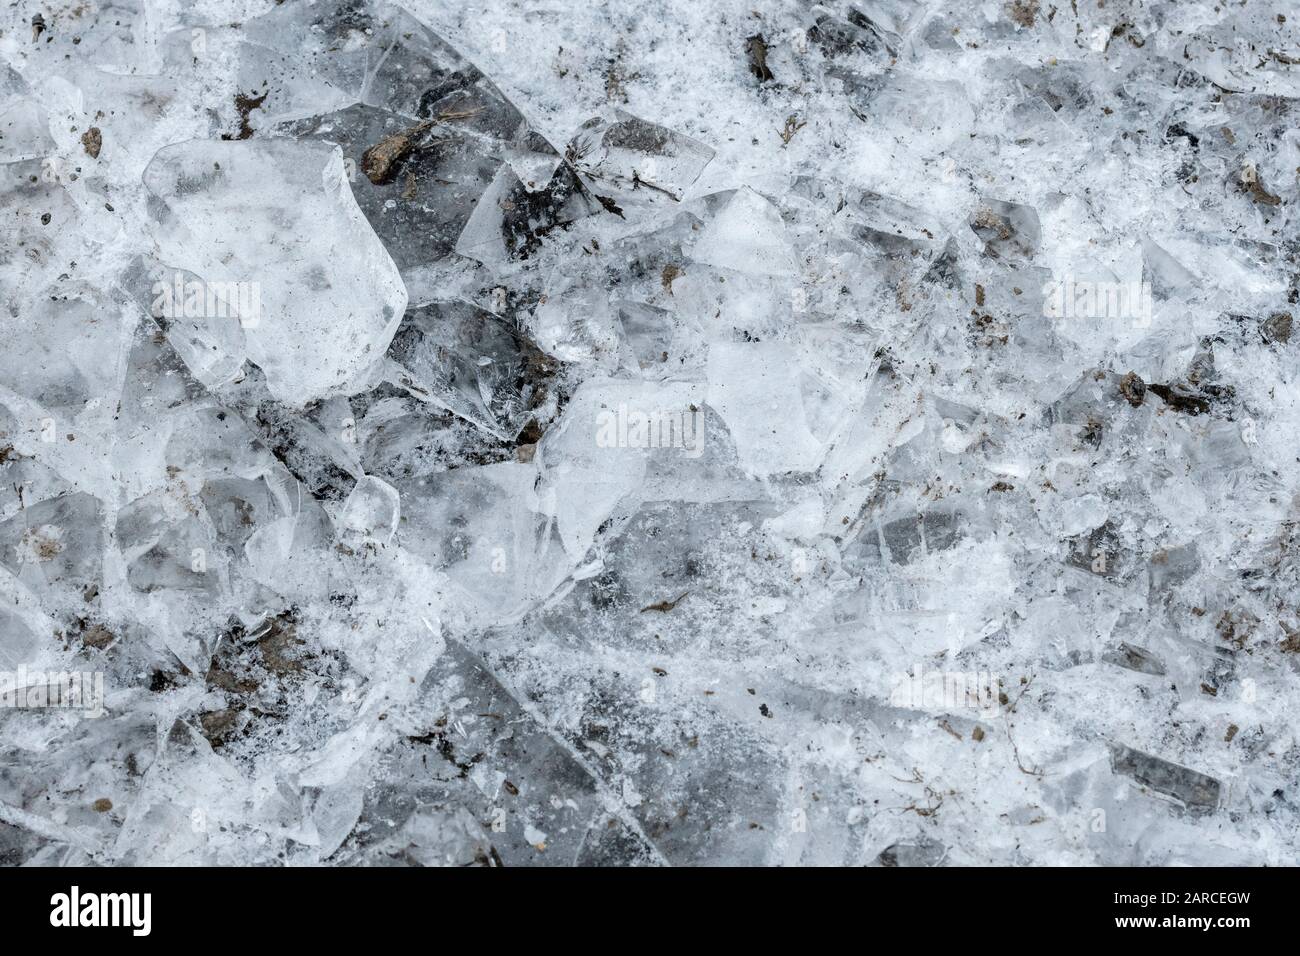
pixel 1016 750
pixel 638 182
pixel 665 606
pixel 792 126
pixel 1024 690
pixel 458 114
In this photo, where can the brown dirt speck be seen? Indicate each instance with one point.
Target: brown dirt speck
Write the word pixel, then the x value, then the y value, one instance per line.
pixel 670 273
pixel 245 103
pixel 756 50
pixel 1277 328
pixel 92 140
pixel 1023 12
pixel 1133 389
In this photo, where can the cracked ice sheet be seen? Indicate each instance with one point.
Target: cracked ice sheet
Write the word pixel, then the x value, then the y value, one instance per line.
pixel 508 434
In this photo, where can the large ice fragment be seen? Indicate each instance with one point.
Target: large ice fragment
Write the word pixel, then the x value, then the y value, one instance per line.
pixel 300 269
pixel 755 387
pixel 636 159
pixel 469 361
pixel 747 236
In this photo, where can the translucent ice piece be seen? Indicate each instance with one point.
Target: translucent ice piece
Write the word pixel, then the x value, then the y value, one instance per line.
pixel 274 221
pixel 17 642
pixel 319 57
pixel 61 354
pixel 421 203
pixel 624 155
pixel 596 456
pixel 755 387
pixel 372 510
pixel 511 220
pixel 210 345
pixel 1009 230
pixel 41 231
pixel 747 235
pixel 469 361
pixel 1197 791
pixel 926 114
pixel 57 543
pixel 26 131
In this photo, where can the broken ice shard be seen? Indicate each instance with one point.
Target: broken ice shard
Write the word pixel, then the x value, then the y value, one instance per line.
pixel 1197 791
pixel 274 222
pixel 431 147
pixel 636 160
pixel 468 361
